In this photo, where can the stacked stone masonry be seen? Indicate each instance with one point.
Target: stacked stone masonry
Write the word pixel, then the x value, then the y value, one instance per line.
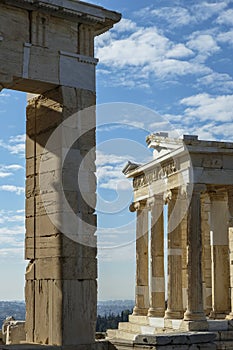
pixel 47 50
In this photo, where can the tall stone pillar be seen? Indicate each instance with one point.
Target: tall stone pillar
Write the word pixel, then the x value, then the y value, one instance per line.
pixel 206 253
pixel 184 259
pixel 142 289
pixel 157 283
pixel 61 290
pixel 230 208
pixel 219 256
pixel 194 317
pixel 174 288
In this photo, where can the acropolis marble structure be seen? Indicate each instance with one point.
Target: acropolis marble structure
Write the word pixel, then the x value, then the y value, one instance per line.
pixel 194 179
pixel 47 49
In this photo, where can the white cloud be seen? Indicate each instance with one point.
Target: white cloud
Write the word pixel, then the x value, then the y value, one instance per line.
pixel 205 9
pixel 12 231
pixel 103 158
pixel 179 51
pixel 13 189
pixel 147 52
pixel 125 25
pixel 217 82
pixel 174 16
pixel 207 107
pixel 109 171
pixel 226 37
pixel 7 216
pixel 226 17
pixel 4 170
pixel 15 145
pixel 204 44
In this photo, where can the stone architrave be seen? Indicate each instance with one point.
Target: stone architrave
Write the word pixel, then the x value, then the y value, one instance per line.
pixel 174 291
pixel 47 49
pixel 219 219
pixel 157 282
pixel 194 317
pixel 142 278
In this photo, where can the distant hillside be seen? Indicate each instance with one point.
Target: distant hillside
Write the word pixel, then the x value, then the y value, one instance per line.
pixel 105 308
pixel 114 307
pixel 12 308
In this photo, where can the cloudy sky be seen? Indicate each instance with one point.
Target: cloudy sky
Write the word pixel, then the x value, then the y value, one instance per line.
pixel 167 66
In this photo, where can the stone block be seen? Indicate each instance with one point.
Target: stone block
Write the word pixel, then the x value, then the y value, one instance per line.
pixel 41 225
pixel 69 268
pixel 30 309
pixel 37 69
pixel 79 313
pixel 218 325
pixel 226 335
pixel 142 320
pixel 194 326
pixel 82 75
pixel 56 246
pixel 15 332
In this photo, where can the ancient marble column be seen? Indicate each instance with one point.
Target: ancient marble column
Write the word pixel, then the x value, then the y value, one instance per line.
pixel 206 253
pixel 219 255
pixel 184 260
pixel 194 317
pixel 157 283
pixel 230 208
pixel 174 291
pixel 142 289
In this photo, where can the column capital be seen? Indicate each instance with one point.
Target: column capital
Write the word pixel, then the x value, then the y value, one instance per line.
pixel 139 205
pixel 167 196
pixel 156 199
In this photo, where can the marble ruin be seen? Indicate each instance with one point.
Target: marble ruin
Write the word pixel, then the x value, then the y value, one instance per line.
pixel 194 179
pixel 47 49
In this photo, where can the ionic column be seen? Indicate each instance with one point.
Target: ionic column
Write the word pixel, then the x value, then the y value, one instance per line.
pixel 230 208
pixel 174 288
pixel 184 261
pixel 219 256
pixel 157 283
pixel 206 254
pixel 194 317
pixel 141 290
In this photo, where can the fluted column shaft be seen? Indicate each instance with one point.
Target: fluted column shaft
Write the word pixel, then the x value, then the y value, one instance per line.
pixel 157 283
pixel 206 254
pixel 174 288
pixel 195 311
pixel 230 208
pixel 141 290
pixel 219 256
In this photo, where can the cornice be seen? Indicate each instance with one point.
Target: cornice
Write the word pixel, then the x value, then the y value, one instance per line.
pixel 74 10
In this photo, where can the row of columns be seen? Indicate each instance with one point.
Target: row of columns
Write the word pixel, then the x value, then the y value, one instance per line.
pixel 198 256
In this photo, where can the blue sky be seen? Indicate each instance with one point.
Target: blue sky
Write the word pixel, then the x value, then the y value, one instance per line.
pixel 168 66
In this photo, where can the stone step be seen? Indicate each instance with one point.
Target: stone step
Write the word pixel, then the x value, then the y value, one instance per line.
pixel 125 335
pixel 111 333
pixel 138 319
pixel 136 328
